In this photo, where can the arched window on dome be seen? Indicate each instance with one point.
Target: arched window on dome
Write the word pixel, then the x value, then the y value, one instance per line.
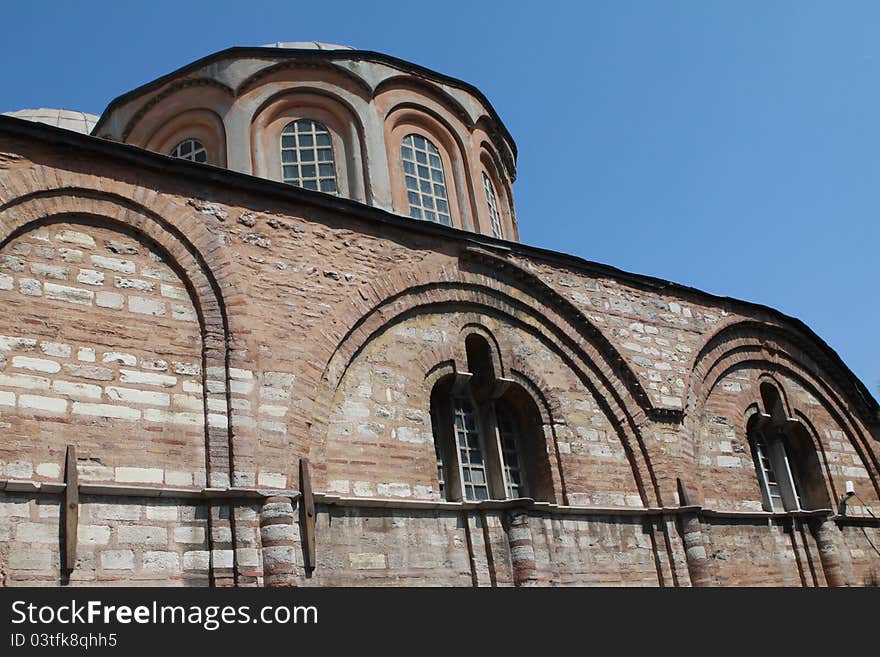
pixel 424 179
pixel 190 149
pixel 785 459
pixel 492 202
pixel 487 435
pixel 307 156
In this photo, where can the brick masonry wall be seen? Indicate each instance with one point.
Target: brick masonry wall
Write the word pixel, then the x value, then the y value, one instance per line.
pixel 133 541
pixel 167 325
pixel 728 475
pixel 99 339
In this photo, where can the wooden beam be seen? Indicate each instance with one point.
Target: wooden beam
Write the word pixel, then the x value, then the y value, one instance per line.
pixel 307 515
pixel 70 511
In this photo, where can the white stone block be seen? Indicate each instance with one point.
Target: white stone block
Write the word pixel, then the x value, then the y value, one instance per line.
pixel 145 306
pixel 115 511
pixel 133 396
pixel 133 284
pixel 218 420
pixel 49 470
pixel 7 398
pixel 185 369
pixel 25 381
pixel 70 255
pixel 189 534
pixel 9 343
pixel 56 349
pixel 69 294
pixel 222 558
pixel 36 532
pixel 117 560
pixel 93 472
pixel 78 390
pixel 75 237
pixel 58 272
pixel 187 403
pixel 274 411
pixel 175 478
pixel 140 475
pixel 147 378
pixel 161 561
pixel 141 535
pixel 30 287
pixel 107 411
pixel 272 479
pixel 19 470
pixel 36 364
pixel 113 264
pixel 33 559
pixel 45 404
pixel 14 509
pixel 168 513
pixel 93 534
pixel 118 357
pixel 183 313
pixel 394 489
pixel 172 292
pixel 196 560
pixel 85 354
pixel 90 277
pixel 248 557
pixel 109 300
pixel 342 486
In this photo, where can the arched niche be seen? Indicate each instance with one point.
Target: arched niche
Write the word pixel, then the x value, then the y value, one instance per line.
pixel 201 124
pixel 405 121
pixel 103 349
pixel 346 133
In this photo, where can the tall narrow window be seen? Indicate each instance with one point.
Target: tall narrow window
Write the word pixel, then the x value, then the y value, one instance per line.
pixel 767 473
pixel 438 452
pixel 508 434
pixel 487 434
pixel 494 215
pixel 785 460
pixel 190 149
pixel 425 182
pixel 470 454
pixel 307 156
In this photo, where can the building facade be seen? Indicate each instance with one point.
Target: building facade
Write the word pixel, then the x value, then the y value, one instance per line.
pixel 267 322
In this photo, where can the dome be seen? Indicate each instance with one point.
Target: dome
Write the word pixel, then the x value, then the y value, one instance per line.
pixel 306 45
pixel 328 118
pixel 82 122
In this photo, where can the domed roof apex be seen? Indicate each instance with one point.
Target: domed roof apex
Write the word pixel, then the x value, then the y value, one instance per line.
pixel 307 45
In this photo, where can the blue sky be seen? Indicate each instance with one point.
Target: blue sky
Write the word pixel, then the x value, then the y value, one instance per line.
pixel 731 146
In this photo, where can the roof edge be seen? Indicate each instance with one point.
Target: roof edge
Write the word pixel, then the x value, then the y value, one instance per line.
pixel 234 179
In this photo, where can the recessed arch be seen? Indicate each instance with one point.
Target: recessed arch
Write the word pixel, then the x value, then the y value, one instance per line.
pixel 776 354
pixel 185 251
pixel 202 124
pixel 443 288
pixel 426 89
pixel 307 102
pixel 407 119
pixel 207 94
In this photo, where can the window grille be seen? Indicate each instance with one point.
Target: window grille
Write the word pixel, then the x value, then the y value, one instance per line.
pixel 307 156
pixel 424 179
